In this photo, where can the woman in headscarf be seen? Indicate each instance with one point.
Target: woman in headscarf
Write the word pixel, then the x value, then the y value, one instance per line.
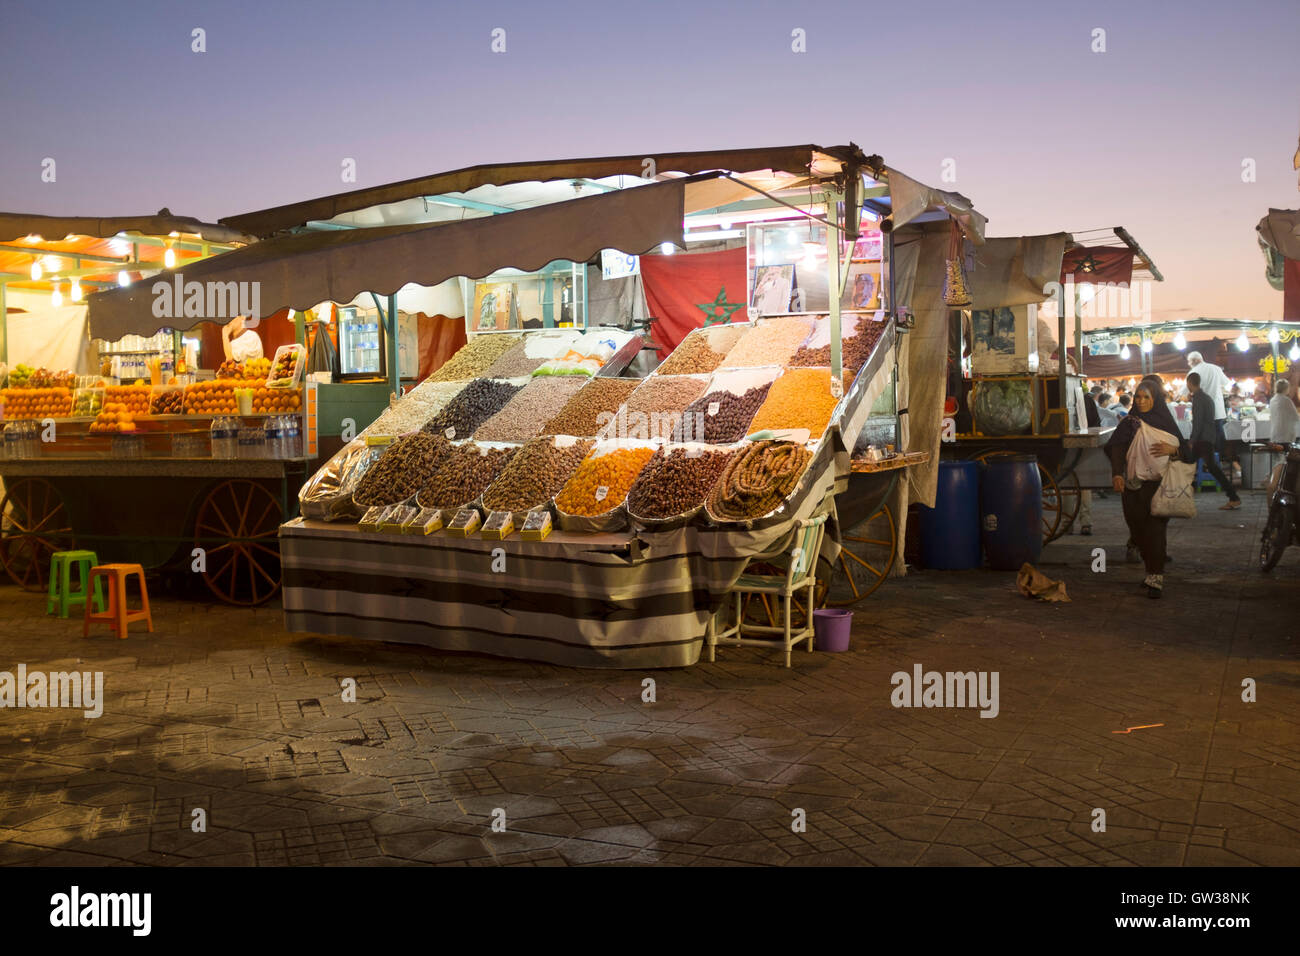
pixel 1139 451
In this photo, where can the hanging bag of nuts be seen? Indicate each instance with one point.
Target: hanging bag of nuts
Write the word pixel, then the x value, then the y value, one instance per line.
pixel 956 294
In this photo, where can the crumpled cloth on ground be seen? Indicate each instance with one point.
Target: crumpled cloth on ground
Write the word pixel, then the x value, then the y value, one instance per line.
pixel 1032 583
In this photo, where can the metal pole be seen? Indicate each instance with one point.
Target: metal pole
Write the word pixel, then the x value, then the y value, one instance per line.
pixel 833 288
pixel 892 306
pixel 1061 354
pixel 394 369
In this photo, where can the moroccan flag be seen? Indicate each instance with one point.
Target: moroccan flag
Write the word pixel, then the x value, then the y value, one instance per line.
pixel 1291 290
pixel 691 289
pixel 1098 264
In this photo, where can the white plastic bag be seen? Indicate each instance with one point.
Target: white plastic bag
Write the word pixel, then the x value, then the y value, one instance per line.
pixel 1173 499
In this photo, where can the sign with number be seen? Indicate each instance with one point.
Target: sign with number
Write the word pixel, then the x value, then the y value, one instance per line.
pixel 618 265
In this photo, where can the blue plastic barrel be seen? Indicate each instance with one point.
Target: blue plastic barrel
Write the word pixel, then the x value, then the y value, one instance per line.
pixel 1011 511
pixel 950 531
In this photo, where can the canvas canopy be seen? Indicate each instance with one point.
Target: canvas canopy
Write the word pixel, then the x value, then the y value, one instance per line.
pixel 17 225
pixel 1280 230
pixel 300 271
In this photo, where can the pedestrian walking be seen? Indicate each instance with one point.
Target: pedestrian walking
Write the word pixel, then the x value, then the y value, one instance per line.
pixel 1204 436
pixel 1139 451
pixel 1282 416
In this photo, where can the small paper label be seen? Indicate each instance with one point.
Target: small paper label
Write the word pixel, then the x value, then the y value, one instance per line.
pixel 450 433
pixel 713 408
pixel 601 492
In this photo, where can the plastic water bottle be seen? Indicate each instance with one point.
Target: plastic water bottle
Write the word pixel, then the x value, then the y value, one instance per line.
pixel 295 437
pixel 11 442
pixel 274 437
pixel 218 438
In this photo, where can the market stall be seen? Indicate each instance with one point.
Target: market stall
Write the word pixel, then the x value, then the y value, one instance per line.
pixel 130 450
pixel 530 500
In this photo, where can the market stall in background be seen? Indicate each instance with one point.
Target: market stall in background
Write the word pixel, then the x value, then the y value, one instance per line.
pixel 529 498
pixel 123 442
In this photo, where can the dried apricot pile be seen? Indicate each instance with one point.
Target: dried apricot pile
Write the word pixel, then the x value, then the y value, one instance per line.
pixel 801 398
pixel 602 481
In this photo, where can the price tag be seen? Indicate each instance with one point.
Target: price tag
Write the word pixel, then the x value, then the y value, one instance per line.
pixel 601 492
pixel 450 433
pixel 713 407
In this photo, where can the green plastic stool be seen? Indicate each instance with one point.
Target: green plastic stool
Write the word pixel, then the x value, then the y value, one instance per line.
pixel 61 593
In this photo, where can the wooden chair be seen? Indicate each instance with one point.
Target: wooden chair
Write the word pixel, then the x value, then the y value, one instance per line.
pixel 800 576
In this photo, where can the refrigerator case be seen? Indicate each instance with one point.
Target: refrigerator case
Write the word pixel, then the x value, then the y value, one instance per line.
pixel 361 345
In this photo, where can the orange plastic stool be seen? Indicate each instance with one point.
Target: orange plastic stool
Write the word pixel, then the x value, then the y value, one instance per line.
pixel 117 614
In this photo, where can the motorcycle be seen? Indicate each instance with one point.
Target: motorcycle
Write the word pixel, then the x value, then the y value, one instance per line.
pixel 1283 525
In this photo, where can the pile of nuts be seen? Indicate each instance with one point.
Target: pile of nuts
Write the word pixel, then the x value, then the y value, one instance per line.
pixel 856 349
pixel 757 480
pixel 676 482
pixel 730 419
pixel 655 409
pixel 515 363
pixel 801 398
pixel 581 416
pixel 474 357
pixel 772 342
pixel 535 475
pixel 527 412
pixel 414 408
pixel 480 400
pixel 464 474
pixel 401 470
pixel 700 352
pixel 602 481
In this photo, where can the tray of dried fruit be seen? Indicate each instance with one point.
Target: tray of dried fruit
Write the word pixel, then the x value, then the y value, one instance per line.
pixel 670 491
pixel 535 475
pixel 592 500
pixel 761 485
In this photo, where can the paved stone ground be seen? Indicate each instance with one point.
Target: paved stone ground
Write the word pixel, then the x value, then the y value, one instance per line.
pixel 222 711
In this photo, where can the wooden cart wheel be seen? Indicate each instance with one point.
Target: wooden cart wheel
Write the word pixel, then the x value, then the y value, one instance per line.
pixel 1051 497
pixel 244 568
pixel 867 554
pixel 1069 493
pixel 33 525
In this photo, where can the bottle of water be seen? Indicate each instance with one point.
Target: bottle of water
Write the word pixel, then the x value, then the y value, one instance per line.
pixel 274 436
pixel 295 437
pixel 10 442
pixel 218 438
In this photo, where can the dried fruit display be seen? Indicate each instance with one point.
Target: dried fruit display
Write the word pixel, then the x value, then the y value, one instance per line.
pixel 401 470
pixel 524 415
pixel 535 475
pixel 463 476
pixel 415 408
pixel 757 480
pixel 582 415
pixel 602 481
pixel 801 398
pixel 702 351
pixel 516 362
pixel 857 348
pixel 477 402
pixel 771 342
pixel 675 482
pixel 725 415
pixel 474 357
pixel 655 409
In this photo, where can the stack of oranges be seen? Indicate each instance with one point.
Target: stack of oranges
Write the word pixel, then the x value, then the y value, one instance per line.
pixel 37 402
pixel 211 398
pixel 134 397
pixel 276 401
pixel 602 481
pixel 115 417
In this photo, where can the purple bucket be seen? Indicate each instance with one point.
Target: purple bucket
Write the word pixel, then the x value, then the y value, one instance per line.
pixel 831 628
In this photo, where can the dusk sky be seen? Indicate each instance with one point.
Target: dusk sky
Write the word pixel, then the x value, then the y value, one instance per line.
pixel 1046 134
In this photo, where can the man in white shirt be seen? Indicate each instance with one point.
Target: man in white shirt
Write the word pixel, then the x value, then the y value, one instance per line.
pixel 240 343
pixel 1282 416
pixel 1213 383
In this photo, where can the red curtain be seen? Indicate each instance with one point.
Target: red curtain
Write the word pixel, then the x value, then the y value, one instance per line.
pixel 440 337
pixel 1098 264
pixel 682 291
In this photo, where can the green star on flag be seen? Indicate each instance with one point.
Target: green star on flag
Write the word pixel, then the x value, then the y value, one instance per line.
pixel 719 310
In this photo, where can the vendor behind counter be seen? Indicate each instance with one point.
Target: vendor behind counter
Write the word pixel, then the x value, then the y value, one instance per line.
pixel 269 334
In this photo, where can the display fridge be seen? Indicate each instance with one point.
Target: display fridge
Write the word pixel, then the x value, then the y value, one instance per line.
pixel 362 349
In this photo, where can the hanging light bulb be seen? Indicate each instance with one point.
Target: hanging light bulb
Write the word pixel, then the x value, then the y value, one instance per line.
pixel 667 248
pixel 1295 352
pixel 1180 341
pixel 123 279
pixel 169 258
pixel 1124 352
pixel 37 271
pixel 75 290
pixel 56 297
pixel 1146 345
pixel 1243 342
pixel 51 263
pixel 1273 336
